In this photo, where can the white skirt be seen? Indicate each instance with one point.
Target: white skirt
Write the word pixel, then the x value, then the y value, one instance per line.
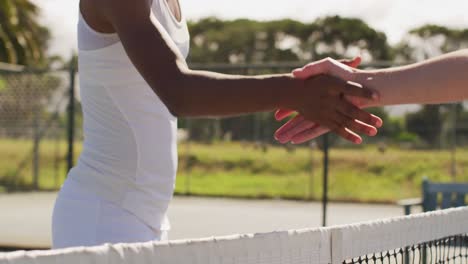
pixel 80 218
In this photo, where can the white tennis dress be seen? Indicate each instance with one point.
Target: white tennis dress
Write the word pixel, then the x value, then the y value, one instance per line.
pixel 121 187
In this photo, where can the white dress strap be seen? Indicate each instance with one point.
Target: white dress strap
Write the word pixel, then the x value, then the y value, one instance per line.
pixel 90 39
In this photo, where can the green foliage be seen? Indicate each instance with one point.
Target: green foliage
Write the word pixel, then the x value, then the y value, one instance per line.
pixel 349 33
pixel 2 84
pixel 426 123
pixel 22 39
pixel 15 178
pixel 355 175
pixel 407 137
pixel 72 63
pixel 247 41
pixel 23 97
pixel 244 170
pixel 434 124
pixel 392 126
pixel 431 40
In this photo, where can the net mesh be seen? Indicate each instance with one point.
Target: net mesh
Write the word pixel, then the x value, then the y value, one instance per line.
pixel 435 237
pixel 452 249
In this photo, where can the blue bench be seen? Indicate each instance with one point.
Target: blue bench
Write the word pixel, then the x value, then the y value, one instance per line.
pixel 452 195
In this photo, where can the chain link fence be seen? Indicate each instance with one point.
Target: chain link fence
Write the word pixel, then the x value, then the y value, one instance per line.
pixel 237 156
pixel 33 128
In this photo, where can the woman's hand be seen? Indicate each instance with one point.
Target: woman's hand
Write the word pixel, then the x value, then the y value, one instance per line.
pixel 323 101
pixel 283 113
pixel 299 130
pixel 190 93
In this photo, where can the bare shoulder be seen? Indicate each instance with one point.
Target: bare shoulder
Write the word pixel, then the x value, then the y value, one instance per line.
pixel 110 14
pixel 121 6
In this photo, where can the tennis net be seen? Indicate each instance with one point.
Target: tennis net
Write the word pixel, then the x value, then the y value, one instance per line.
pixel 436 237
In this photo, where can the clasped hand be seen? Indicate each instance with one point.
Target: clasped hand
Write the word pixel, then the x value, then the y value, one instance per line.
pixel 336 107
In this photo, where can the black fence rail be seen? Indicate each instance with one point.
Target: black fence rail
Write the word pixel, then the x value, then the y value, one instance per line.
pixel 41 135
pixel 33 128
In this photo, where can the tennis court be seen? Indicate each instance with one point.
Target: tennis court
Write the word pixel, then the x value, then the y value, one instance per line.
pixel 26 224
pixel 435 237
pixel 204 107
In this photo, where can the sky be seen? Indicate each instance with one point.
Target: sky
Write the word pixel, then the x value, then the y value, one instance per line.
pixel 394 17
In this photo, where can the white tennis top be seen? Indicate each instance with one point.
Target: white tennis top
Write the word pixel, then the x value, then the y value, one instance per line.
pixel 129 152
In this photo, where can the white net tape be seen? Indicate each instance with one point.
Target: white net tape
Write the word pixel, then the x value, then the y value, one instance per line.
pixel 319 246
pixel 366 238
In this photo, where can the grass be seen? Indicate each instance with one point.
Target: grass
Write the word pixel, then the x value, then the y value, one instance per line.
pixel 243 170
pixel 364 174
pixel 16 164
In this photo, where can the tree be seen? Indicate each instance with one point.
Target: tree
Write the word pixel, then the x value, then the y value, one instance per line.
pixel 461 126
pixel 22 39
pixel 392 128
pixel 286 40
pixel 248 41
pixel 427 124
pixel 337 37
pixel 23 98
pixel 431 40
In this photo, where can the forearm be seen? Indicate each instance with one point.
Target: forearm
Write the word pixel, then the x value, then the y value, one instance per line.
pixel 439 80
pixel 200 93
pixel 197 93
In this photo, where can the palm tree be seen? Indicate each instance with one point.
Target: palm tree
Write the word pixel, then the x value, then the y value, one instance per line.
pixel 22 39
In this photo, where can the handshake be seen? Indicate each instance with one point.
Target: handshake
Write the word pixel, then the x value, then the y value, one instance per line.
pixel 335 104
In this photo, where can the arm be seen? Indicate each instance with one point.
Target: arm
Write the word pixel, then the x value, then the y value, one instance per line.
pixel 439 80
pixel 197 93
pixel 186 92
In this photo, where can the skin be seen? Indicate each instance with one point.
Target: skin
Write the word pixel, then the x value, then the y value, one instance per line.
pixel 175 9
pixel 189 93
pixel 440 80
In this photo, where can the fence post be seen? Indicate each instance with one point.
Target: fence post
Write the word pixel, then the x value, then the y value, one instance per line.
pixel 57 159
pixel 188 158
pixel 71 118
pixel 36 150
pixel 453 150
pixel 312 167
pixel 325 179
